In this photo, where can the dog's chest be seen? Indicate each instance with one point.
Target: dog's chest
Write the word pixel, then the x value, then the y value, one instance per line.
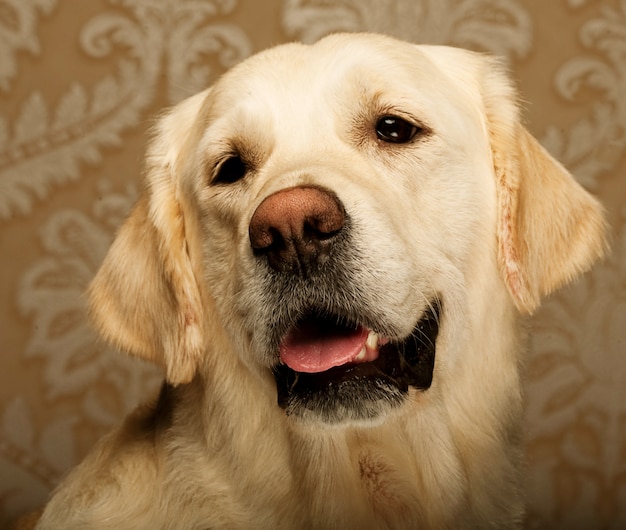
pixel 384 485
pixel 373 490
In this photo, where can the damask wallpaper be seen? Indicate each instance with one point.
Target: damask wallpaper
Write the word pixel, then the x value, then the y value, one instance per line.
pixel 80 82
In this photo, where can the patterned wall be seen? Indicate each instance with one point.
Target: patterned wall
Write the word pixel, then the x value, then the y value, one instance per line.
pixel 79 83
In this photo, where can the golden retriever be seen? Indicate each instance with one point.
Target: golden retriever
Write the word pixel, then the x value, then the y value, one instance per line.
pixel 330 260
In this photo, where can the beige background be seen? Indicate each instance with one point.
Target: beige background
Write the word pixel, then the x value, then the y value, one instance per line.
pixel 79 83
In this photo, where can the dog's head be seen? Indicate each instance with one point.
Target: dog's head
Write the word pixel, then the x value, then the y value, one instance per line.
pixel 337 212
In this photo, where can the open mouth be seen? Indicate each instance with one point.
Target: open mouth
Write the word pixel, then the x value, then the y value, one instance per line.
pixel 332 371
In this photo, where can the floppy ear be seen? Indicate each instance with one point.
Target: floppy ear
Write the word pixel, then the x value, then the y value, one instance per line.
pixel 145 298
pixel 549 228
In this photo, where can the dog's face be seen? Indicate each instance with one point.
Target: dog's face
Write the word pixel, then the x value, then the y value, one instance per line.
pixel 338 211
pixel 327 178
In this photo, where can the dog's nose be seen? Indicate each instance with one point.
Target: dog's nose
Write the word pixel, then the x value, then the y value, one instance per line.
pixel 295 228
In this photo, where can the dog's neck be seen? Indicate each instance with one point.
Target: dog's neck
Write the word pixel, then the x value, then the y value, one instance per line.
pixel 400 479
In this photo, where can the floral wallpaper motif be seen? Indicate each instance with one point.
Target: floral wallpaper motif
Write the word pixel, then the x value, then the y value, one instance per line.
pixel 18 32
pixel 49 144
pixel 596 80
pixel 497 26
pixel 80 83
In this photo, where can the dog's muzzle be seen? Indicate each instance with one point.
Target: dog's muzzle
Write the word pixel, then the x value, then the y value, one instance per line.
pixel 332 364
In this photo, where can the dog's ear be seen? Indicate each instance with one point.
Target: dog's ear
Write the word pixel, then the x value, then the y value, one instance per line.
pixel 549 228
pixel 145 299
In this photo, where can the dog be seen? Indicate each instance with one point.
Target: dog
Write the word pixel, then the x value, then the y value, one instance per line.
pixel 331 261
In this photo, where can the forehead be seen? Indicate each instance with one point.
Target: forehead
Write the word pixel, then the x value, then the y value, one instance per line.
pixel 347 71
pixel 295 92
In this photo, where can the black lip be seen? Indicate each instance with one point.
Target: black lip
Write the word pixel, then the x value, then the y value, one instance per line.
pixel 364 390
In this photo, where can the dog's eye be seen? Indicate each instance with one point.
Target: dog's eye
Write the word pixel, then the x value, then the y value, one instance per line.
pixel 230 170
pixel 395 130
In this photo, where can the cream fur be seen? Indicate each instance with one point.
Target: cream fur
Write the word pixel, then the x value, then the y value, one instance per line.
pixel 476 211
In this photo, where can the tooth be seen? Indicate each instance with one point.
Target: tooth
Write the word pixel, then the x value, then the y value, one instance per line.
pixel 372 341
pixel 361 355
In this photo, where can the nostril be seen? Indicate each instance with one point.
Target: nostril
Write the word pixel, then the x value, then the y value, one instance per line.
pixel 263 237
pixel 324 225
pixel 294 228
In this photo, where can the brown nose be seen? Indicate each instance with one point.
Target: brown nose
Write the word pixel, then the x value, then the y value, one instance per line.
pixel 294 228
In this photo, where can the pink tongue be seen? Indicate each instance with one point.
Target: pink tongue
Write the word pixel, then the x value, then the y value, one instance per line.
pixel 313 348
